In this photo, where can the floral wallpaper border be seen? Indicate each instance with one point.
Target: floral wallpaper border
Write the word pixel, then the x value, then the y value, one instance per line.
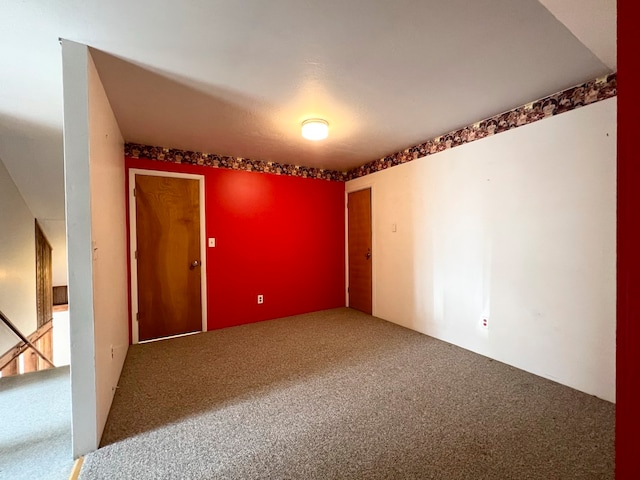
pixel 590 92
pixel 575 97
pixel 174 155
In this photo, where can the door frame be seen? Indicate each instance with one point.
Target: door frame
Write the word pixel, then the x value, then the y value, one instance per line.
pixel 374 246
pixel 132 248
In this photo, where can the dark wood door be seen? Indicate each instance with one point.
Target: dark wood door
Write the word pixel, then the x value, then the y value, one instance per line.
pixel 360 274
pixel 168 256
pixel 44 279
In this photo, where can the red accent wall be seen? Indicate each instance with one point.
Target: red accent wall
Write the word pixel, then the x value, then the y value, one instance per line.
pixel 278 236
pixel 628 233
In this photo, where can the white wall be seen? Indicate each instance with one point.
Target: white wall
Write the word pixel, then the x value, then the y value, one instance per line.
pixel 108 230
pixel 61 335
pixel 79 255
pixel 519 227
pixel 17 262
pixel 96 243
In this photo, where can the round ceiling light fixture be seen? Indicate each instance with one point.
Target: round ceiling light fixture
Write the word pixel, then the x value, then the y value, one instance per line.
pixel 315 129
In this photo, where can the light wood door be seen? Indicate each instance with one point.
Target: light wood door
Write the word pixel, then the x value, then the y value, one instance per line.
pixel 360 272
pixel 168 256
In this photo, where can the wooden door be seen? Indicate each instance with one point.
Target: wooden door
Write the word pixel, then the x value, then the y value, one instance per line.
pixel 168 256
pixel 44 279
pixel 360 274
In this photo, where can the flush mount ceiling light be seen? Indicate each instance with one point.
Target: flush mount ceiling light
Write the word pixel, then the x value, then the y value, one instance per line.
pixel 315 129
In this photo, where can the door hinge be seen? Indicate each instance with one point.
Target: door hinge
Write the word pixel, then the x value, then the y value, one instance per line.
pixel 137 316
pixel 348 290
pixel 134 192
pixel 135 255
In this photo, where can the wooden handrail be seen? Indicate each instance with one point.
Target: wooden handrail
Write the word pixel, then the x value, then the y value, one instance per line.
pixel 19 348
pixel 26 342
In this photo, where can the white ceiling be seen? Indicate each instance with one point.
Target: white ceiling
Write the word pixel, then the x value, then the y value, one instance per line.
pixel 237 77
pixel 593 22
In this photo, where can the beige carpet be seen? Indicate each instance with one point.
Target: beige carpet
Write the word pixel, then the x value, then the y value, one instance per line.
pixel 342 395
pixel 35 426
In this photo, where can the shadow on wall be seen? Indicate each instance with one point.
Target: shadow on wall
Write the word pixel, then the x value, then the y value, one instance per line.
pixel 447 210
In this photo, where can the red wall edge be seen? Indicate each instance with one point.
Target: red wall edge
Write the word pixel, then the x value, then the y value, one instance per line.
pixel 628 248
pixel 278 236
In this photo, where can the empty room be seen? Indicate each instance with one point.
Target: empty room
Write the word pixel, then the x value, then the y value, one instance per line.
pixel 336 239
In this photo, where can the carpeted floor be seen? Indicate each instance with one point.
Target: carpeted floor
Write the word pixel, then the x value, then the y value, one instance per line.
pixel 342 395
pixel 35 426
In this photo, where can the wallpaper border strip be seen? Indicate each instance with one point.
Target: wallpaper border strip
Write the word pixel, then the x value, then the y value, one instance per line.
pixel 174 155
pixel 587 93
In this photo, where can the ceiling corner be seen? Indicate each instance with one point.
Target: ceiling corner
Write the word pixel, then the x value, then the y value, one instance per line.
pixel 593 22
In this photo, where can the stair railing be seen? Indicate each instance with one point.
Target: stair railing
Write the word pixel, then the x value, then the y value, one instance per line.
pixel 24 339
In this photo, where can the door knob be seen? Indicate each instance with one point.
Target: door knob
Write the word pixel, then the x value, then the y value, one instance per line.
pixel 194 264
pixel 368 255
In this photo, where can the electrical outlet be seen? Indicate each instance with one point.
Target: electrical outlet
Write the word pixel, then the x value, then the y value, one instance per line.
pixel 260 299
pixel 484 323
pixel 111 351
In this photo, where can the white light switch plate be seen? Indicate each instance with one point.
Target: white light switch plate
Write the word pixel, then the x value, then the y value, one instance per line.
pixel 212 242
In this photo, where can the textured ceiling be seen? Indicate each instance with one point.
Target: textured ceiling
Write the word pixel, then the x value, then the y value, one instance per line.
pixel 237 77
pixel 385 75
